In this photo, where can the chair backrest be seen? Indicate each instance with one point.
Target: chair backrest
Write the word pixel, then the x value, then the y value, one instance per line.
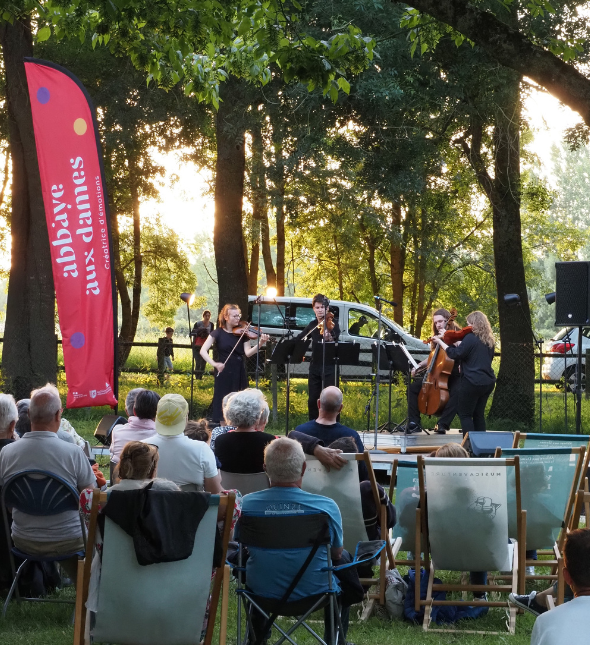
pixel 484 444
pixel 467 513
pixel 158 604
pixel 538 440
pixel 548 480
pixel 343 487
pixel 39 492
pixel 283 531
pixel 407 498
pixel 245 483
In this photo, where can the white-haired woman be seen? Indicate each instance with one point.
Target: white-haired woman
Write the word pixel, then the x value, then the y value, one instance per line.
pixel 242 450
pixel 476 353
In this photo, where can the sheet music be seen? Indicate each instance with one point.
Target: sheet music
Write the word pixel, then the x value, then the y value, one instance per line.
pixel 408 355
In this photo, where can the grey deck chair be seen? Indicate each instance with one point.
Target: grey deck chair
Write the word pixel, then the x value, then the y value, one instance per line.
pixel 549 479
pixel 244 482
pixel 159 604
pixel 343 487
pixel 465 528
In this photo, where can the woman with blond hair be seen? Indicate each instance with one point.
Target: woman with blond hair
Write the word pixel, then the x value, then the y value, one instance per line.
pixel 230 369
pixel 476 353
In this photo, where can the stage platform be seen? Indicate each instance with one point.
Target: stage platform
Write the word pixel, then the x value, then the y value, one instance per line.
pixel 393 442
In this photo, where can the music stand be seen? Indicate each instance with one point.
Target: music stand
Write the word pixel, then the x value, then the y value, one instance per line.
pixel 289 352
pixel 337 354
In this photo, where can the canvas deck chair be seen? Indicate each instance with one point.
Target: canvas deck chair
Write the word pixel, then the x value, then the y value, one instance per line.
pixel 244 482
pixel 582 503
pixel 539 440
pixel 549 479
pixel 159 604
pixel 465 528
pixel 343 487
pixel 404 493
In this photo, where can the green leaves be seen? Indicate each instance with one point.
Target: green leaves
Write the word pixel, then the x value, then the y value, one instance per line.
pixel 43 34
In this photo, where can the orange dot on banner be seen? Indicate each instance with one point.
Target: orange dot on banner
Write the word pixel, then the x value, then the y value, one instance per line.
pixel 80 126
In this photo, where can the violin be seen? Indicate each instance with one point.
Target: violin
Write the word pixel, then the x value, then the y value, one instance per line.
pixel 453 335
pixel 329 320
pixel 246 329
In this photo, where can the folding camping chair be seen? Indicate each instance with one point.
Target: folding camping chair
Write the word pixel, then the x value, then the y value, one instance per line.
pixel 244 482
pixel 549 479
pixel 282 532
pixel 343 487
pixel 465 528
pixel 159 604
pixel 41 493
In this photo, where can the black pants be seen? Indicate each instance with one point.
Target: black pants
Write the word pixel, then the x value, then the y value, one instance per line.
pixel 450 409
pixel 472 405
pixel 200 363
pixel 314 387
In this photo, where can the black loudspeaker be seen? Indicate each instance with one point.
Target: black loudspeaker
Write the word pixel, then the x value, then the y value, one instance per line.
pixel 572 294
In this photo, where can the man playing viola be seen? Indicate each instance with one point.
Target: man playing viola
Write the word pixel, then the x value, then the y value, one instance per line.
pixel 440 318
pixel 319 378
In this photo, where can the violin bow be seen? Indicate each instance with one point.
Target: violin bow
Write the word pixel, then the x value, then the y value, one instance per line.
pixel 237 343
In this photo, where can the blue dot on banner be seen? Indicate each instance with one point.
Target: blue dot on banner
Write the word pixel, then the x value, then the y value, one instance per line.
pixel 43 95
pixel 77 340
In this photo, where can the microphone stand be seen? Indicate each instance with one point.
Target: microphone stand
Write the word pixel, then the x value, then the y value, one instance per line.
pixel 377 373
pixel 326 304
pixel 258 301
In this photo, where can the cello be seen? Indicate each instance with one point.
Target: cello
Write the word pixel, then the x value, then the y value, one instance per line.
pixel 434 393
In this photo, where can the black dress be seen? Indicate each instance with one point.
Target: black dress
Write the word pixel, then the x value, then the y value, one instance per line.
pixel 233 378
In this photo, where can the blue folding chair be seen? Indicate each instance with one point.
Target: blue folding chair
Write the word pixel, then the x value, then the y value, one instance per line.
pixel 39 493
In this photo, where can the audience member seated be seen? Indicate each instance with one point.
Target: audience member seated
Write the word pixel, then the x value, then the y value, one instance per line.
pixel 198 431
pixel 270 572
pixel 189 464
pixel 219 430
pixel 23 424
pixel 65 432
pixel 42 450
pixel 242 449
pixel 371 514
pixel 326 426
pixel 8 419
pixel 141 424
pixel 568 623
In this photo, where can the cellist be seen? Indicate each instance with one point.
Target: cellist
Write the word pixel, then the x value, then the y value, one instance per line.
pixel 440 319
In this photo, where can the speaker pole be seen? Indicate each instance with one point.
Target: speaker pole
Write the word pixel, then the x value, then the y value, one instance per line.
pixel 579 383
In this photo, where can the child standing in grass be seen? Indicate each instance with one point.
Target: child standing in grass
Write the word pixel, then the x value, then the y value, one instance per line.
pixel 165 354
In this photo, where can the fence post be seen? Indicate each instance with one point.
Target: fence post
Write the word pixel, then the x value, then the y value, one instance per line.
pixel 273 372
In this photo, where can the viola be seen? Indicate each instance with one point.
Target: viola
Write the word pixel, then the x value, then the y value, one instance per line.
pixel 434 394
pixel 329 323
pixel 453 335
pixel 244 328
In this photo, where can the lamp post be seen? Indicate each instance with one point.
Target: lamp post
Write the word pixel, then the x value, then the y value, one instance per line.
pixel 189 299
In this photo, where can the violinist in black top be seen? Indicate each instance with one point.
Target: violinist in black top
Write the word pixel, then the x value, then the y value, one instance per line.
pixel 476 353
pixel 316 374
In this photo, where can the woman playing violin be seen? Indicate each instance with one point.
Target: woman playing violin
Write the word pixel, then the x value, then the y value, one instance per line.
pixel 232 347
pixel 440 318
pixel 331 332
pixel 476 354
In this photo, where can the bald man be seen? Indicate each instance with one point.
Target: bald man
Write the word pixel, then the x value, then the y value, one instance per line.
pixel 326 427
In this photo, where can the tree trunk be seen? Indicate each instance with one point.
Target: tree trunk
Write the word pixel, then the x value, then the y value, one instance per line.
pixel 397 263
pixel 228 239
pixel 278 176
pixel 29 351
pixel 514 397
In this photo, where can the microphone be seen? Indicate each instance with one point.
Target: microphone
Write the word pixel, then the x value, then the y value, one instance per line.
pixel 390 302
pixel 326 302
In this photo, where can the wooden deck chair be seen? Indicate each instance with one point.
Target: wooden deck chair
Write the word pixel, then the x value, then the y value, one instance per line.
pixel 405 486
pixel 582 503
pixel 549 479
pixel 244 482
pixel 343 487
pixel 465 528
pixel 159 604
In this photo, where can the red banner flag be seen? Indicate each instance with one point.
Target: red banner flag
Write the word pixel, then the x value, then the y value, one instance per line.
pixel 76 209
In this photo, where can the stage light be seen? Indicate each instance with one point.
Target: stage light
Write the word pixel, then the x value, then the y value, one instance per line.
pixel 550 298
pixel 511 299
pixel 271 292
pixel 188 298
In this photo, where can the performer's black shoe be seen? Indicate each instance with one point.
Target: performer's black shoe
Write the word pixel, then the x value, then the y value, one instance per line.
pixel 414 428
pixel 440 429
